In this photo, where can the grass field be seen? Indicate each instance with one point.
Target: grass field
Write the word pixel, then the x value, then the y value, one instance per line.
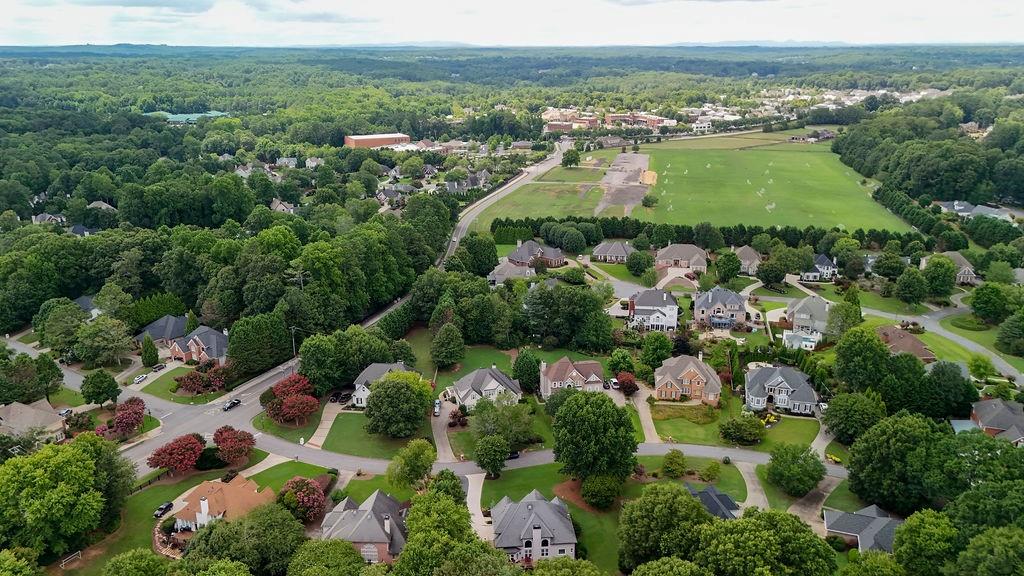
pixel 275 476
pixel 840 450
pixel 290 433
pixel 875 301
pixel 790 430
pixel 540 199
pixel 842 499
pixel 161 388
pixel 348 436
pixel 575 174
pixel 360 488
pixel 66 397
pixel 618 271
pixel 790 292
pixel 29 337
pixel 986 338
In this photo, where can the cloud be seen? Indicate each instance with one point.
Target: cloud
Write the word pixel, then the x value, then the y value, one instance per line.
pixel 652 2
pixel 320 17
pixel 185 6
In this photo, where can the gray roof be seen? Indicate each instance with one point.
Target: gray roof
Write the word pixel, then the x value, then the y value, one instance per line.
pixel 746 254
pixel 215 341
pixel 531 249
pixel 615 248
pixel 719 295
pixel 873 527
pixel 689 252
pixel 479 378
pixel 717 503
pixel 676 366
pixel 81 230
pixel 958 260
pixel 166 327
pixel 377 370
pixel 759 378
pixel 515 521
pixel 506 269
pixel 816 309
pixel 366 522
pixel 17 418
pixel 999 414
pixel 822 263
pixel 85 302
pixel 654 299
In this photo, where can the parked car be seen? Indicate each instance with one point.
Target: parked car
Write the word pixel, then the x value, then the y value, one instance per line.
pixel 513 455
pixel 606 385
pixel 158 367
pixel 344 397
pixel 614 382
pixel 437 407
pixel 139 378
pixel 231 404
pixel 163 509
pixel 65 413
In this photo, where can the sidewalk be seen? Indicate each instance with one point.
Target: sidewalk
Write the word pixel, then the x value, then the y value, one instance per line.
pixel 331 411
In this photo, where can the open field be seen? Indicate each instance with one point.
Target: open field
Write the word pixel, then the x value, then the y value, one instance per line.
pixel 348 436
pixel 539 199
pixel 874 301
pixel 575 174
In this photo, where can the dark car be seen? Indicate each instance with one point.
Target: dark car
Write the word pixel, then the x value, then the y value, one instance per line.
pixel 158 367
pixel 334 397
pixel 606 385
pixel 231 404
pixel 163 509
pixel 344 397
pixel 513 455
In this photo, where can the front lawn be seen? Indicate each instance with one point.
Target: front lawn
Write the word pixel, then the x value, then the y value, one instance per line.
pixel 789 292
pixel 696 424
pixel 986 338
pixel 768 306
pixel 463 442
pixel 874 301
pixel 638 429
pixel 263 423
pixel 944 348
pixel 66 397
pixel 348 435
pixel 842 499
pixel 275 476
pixel 29 338
pixel 617 271
pixel 777 499
pixel 161 388
pixel 790 430
pixel 360 488
pixel 839 450
pixel 148 423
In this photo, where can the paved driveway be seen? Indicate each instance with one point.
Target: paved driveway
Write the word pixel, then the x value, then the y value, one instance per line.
pixel 439 426
pixel 808 508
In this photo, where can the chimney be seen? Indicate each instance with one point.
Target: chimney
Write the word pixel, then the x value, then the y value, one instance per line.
pixel 536 541
pixel 387 524
pixel 204 506
pixel 700 355
pixel 519 243
pixel 664 296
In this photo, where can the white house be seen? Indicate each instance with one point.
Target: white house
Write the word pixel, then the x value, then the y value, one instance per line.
pixel 371 374
pixel 653 310
pixel 809 318
pixel 822 270
pixel 783 387
pixel 483 383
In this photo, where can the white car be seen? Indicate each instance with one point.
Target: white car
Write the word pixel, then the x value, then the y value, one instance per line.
pixel 140 378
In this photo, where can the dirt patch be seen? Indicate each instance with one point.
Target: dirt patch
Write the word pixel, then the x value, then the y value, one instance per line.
pixel 649 178
pixel 584 188
pixel 569 491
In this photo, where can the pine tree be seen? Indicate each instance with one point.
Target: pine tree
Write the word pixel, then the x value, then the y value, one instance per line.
pixel 149 353
pixel 191 322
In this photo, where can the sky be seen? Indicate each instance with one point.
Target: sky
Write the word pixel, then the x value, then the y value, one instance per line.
pixel 507 22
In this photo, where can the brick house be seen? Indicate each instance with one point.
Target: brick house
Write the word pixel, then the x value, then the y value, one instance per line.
pixel 202 344
pixel 587 375
pixel 687 376
pixel 376 528
pixel 682 256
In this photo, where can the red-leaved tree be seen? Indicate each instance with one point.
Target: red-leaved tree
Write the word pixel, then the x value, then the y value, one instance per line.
pixel 304 498
pixel 193 382
pixel 179 454
pixel 627 383
pixel 292 408
pixel 128 416
pixel 294 385
pixel 233 445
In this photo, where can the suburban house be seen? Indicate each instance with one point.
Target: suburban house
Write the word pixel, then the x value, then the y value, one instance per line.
pixel 287 162
pixel 202 344
pixel 686 376
pixel 85 303
pixel 823 269
pixel 82 231
pixel 214 500
pixel 701 127
pixel 164 330
pixel 808 318
pixel 533 528
pixel 614 251
pixel 1001 419
pixel 587 375
pixel 478 179
pixel 101 205
pixel 870 259
pixel 388 196
pixel 719 308
pixel 749 260
pixel 278 205
pixel 870 528
pixel 964 269
pixel 45 218
pixel 376 528
pixel 526 253
pixel 899 340
pixel 371 374
pixel 682 256
pixel 653 310
pixel 483 383
pixel 313 162
pixel 719 504
pixel 505 270
pixel 17 419
pixel 783 387
pixel 965 209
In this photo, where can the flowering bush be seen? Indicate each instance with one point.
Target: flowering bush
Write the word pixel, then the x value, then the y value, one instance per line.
pixel 128 416
pixel 233 445
pixel 292 408
pixel 179 454
pixel 193 382
pixel 210 379
pixel 303 498
pixel 294 385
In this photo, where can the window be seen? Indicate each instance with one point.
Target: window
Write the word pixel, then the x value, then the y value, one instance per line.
pixel 561 551
pixel 544 542
pixel 543 552
pixel 369 553
pixel 528 544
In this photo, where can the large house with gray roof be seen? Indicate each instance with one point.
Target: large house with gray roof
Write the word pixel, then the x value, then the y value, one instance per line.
pixel 526 253
pixel 505 270
pixel 750 259
pixel 612 251
pixel 965 273
pixel 202 344
pixel 1000 419
pixel 686 377
pixel 653 310
pixel 809 319
pixel 719 308
pixel 586 375
pixel 823 269
pixel 371 374
pixel 682 256
pixel 869 528
pixel 783 387
pixel 376 528
pixel 718 504
pixel 483 383
pixel 533 528
pixel 164 330
pixel 17 419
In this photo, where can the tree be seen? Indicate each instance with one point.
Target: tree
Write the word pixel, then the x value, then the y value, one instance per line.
pixel 925 542
pixel 639 261
pixel 557 399
pixel 606 444
pixel 911 286
pixel 620 361
pixel 1000 272
pixel 506 418
pixel 771 272
pixel 114 475
pixel 178 455
pixel 303 498
pixel 259 342
pixel 191 322
pixel 980 366
pixel 664 521
pixel 228 568
pixel 48 499
pixel 987 505
pixel 565 566
pixel 570 158
pixel 873 563
pixel 744 430
pixel 670 566
pixel 446 482
pixel 99 387
pixel 989 302
pixel 294 409
pixel 850 415
pixel 860 358
pixel 794 468
pixel 233 445
pixel 264 540
pixel 438 529
pixel 656 348
pixel 491 454
pixel 649 277
pixel 992 553
pixel 412 463
pixel 674 464
pixel 949 393
pixel 397 404
pixel 49 376
pixel 150 357
pixel 112 300
pixel 102 341
pixel 888 265
pixel 764 542
pixel 448 348
pixel 940 275
pixel 627 383
pixel 13 564
pixel 137 562
pixel 129 416
pixel 526 370
pixel 842 316
pixel 728 265
pixel 573 241
pixel 335 557
pixel 61 325
pixel 600 491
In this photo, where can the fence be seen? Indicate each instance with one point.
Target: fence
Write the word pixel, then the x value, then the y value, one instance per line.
pixel 147 480
pixel 70 559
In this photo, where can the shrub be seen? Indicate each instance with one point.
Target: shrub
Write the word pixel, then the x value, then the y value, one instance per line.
pixel 711 472
pixel 746 430
pixel 167 525
pixel 303 498
pixel 338 495
pixel 600 491
pixel 726 460
pixel 267 396
pixel 80 422
pixel 208 459
pixel 674 465
pixel 836 542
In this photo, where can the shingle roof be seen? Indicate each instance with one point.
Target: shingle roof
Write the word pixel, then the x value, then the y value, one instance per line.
pixel 515 521
pixel 616 248
pixel 166 327
pixel 85 302
pixel 719 295
pixel 815 307
pixel 654 299
pixel 746 254
pixel 689 252
pixel 958 259
pixel 377 370
pixel 558 371
pixel 674 367
pixel 366 522
pixel 717 503
pixel 530 249
pixel 233 499
pixel 999 414
pixel 17 418
pixel 506 269
pixel 479 378
pixel 215 341
pixel 899 340
pixel 873 527
pixel 759 378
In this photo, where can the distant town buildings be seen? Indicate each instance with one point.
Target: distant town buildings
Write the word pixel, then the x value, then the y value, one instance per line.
pixel 376 140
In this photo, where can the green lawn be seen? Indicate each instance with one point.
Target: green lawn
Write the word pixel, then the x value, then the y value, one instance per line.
pixel 944 348
pixel 842 499
pixel 753 339
pixel 360 488
pixel 66 397
pixel 275 476
pixel 29 338
pixel 769 306
pixel 777 499
pixel 348 436
pixel 638 429
pixel 540 199
pixel 840 450
pixel 505 249
pixel 131 377
pixel 161 388
pixel 617 271
pixel 290 433
pixel 148 423
pixel 874 301
pixel 789 292
pixel 790 430
pixel 476 357
pixel 137 520
pixel 463 442
pixel 986 338
pixel 738 283
pixel 574 174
